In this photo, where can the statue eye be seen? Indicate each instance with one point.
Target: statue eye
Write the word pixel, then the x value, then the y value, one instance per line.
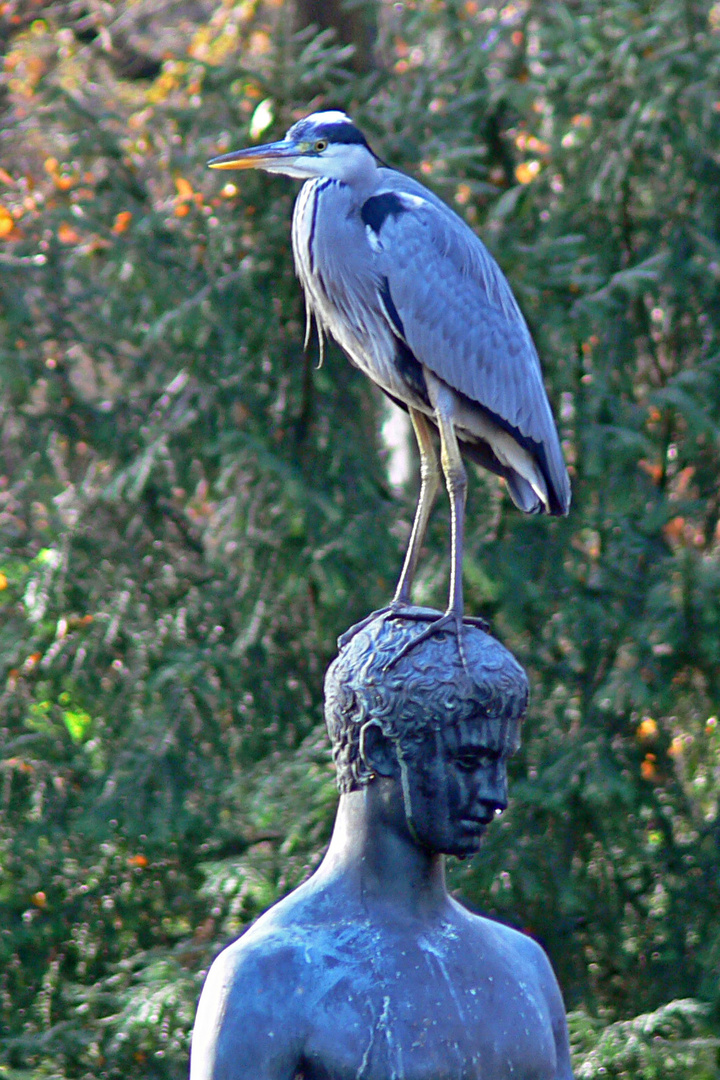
pixel 478 759
pixel 320 145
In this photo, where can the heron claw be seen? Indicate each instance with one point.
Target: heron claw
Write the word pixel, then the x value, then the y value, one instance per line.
pixel 477 620
pixel 433 617
pixel 438 623
pixel 392 609
pixel 399 609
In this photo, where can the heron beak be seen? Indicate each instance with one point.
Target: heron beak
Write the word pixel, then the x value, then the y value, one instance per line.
pixel 257 157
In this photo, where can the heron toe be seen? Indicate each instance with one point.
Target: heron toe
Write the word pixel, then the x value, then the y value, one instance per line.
pixel 451 620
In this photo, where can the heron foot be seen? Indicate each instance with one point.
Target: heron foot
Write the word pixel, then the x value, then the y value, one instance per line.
pixel 393 609
pixel 450 620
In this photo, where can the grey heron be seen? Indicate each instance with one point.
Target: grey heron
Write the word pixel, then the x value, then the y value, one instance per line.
pixel 421 307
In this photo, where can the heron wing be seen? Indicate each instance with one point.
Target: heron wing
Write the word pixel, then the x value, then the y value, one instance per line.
pixel 448 299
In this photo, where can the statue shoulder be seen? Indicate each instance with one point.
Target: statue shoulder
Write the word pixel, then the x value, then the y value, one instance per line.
pixel 531 959
pixel 268 950
pixel 251 1022
pixel 515 942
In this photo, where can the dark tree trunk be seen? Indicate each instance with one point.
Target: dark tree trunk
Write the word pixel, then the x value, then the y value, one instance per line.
pixel 355 24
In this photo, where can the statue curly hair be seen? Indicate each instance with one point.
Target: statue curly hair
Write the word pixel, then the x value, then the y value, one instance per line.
pixel 426 689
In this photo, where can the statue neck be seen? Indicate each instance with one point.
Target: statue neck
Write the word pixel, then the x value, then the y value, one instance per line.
pixel 373 853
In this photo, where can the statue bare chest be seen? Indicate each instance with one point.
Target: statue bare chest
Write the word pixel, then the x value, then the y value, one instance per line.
pixel 431 1010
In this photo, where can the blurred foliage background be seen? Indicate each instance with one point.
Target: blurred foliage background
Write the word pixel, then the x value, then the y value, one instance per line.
pixel 191 512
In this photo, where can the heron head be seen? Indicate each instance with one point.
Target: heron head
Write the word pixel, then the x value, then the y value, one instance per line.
pixel 322 144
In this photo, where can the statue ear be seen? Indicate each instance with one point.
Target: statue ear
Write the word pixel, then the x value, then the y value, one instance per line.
pixel 377 750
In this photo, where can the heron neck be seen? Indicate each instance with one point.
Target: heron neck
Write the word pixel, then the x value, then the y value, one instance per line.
pixel 360 178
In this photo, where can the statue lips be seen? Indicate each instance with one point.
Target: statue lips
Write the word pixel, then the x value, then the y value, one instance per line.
pixel 469 835
pixel 475 826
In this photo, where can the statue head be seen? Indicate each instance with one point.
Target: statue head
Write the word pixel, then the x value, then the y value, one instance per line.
pixel 442 729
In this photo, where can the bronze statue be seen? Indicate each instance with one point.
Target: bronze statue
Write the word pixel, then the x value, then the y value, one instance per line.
pixel 371 970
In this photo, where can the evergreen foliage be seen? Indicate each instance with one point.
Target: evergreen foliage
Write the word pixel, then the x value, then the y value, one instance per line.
pixel 673 1041
pixel 191 511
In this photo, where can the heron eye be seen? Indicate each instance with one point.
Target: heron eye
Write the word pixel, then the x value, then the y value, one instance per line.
pixel 320 145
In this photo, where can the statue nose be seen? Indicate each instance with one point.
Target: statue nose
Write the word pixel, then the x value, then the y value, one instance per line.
pixel 491 791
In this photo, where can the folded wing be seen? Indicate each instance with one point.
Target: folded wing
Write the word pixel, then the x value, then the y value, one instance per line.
pixel 450 302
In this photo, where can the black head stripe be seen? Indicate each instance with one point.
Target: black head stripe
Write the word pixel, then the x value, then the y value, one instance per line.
pixel 341 132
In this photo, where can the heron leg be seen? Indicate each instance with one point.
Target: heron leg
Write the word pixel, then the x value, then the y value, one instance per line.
pixel 429 483
pixel 456 483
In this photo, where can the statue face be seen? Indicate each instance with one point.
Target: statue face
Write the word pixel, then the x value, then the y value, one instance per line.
pixel 454 783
